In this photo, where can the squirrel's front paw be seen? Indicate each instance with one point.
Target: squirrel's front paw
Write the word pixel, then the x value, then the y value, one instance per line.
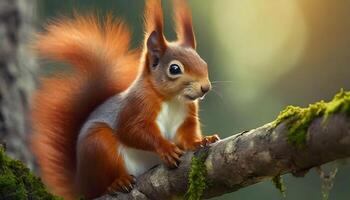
pixel 207 140
pixel 122 184
pixel 170 155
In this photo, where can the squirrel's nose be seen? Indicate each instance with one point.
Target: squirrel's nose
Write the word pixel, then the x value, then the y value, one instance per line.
pixel 205 88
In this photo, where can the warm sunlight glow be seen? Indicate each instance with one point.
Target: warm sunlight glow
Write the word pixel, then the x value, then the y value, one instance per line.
pixel 263 38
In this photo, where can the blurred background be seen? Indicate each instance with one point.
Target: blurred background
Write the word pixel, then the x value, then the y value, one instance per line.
pixel 262 56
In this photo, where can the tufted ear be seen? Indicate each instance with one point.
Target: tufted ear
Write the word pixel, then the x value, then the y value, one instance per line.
pixel 155 48
pixel 154 37
pixel 183 23
pixel 153 18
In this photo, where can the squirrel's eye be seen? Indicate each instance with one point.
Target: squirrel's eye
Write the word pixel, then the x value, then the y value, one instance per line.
pixel 175 69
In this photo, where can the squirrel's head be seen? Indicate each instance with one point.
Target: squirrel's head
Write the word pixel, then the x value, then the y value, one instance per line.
pixel 176 69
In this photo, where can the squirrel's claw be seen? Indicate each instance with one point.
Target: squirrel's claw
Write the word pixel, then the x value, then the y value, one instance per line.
pixel 122 184
pixel 170 154
pixel 207 140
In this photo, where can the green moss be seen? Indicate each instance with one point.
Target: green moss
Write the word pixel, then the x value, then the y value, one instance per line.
pixel 299 119
pixel 340 103
pixel 279 184
pixel 17 182
pixel 10 188
pixel 197 177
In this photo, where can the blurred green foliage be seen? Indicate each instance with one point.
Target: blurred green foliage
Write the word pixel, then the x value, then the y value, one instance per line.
pixel 262 56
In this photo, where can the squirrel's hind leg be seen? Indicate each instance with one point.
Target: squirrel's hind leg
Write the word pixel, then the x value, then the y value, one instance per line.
pixel 100 168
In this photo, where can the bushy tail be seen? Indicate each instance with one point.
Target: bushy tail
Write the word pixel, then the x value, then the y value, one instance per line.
pixel 103 67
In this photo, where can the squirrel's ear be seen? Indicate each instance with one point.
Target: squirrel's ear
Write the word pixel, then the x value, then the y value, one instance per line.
pixel 183 23
pixel 155 48
pixel 154 39
pixel 153 18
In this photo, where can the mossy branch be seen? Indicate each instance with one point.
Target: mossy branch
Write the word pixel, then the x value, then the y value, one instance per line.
pixel 298 140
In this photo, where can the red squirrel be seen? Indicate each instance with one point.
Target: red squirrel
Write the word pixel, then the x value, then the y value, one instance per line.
pixel 121 111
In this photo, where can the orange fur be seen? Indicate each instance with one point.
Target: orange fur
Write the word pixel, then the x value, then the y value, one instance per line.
pixel 137 120
pixel 99 163
pixel 65 101
pixel 188 135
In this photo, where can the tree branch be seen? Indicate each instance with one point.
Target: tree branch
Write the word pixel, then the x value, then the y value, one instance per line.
pixel 248 158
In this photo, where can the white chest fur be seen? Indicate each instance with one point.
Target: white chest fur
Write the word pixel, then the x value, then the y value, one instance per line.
pixel 170 117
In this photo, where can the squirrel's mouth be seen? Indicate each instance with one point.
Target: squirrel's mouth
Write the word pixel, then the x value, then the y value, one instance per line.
pixel 193 98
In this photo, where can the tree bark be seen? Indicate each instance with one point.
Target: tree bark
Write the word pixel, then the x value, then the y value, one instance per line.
pixel 17 77
pixel 248 158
